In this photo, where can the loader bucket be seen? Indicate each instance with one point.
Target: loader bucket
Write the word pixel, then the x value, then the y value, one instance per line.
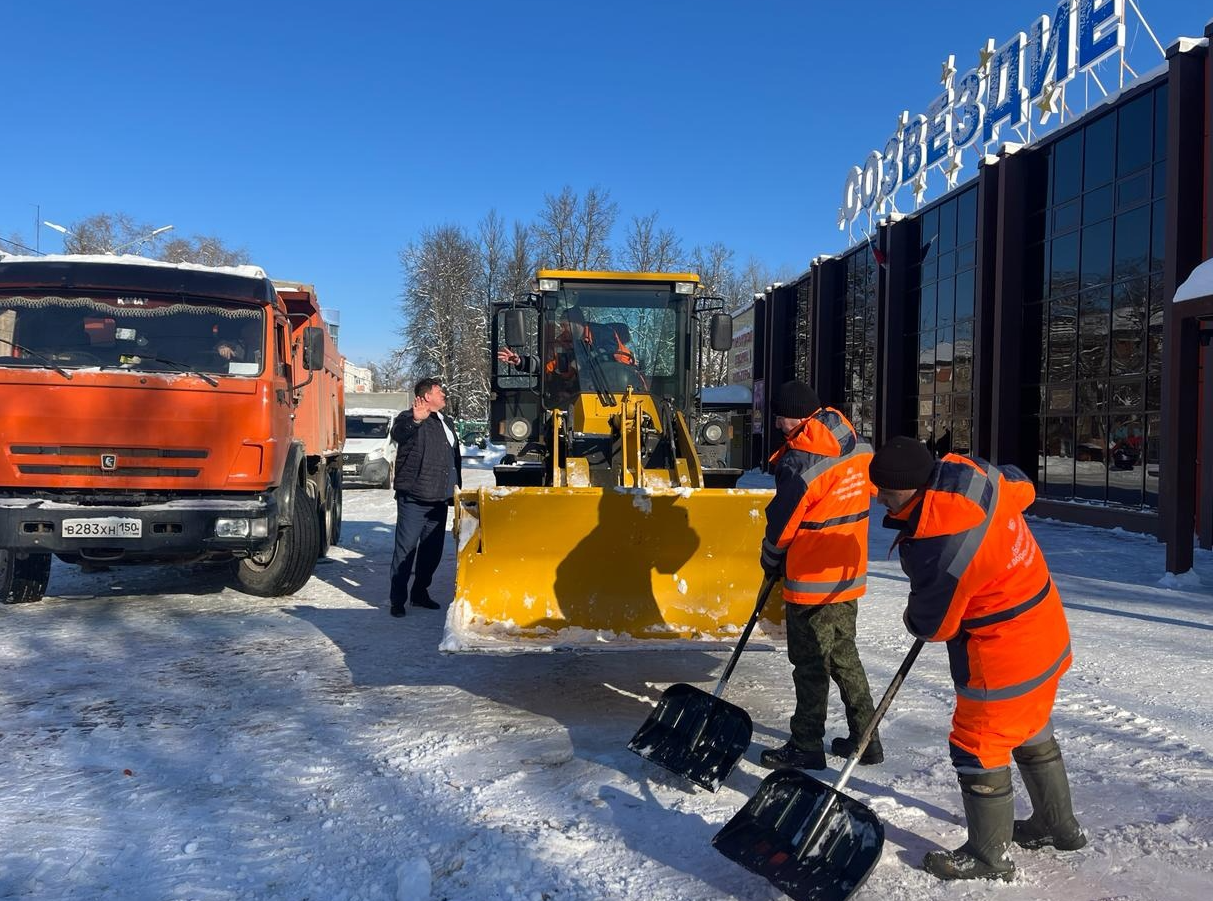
pixel 599 568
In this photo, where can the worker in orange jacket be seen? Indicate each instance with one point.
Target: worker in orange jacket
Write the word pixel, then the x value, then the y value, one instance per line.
pixel 979 582
pixel 817 540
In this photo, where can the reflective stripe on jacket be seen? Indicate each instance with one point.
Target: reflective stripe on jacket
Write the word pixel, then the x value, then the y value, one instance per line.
pixel 979 581
pixel 817 523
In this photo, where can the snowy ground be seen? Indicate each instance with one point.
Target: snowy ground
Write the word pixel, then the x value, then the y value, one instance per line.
pixel 164 737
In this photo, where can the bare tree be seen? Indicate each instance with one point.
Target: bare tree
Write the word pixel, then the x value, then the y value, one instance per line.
pixel 110 233
pixel 521 265
pixel 206 250
pixel 445 320
pixel 392 372
pixel 714 265
pixel 649 249
pixel 575 233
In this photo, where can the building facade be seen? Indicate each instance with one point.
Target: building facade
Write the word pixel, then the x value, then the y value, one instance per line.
pixel 1025 316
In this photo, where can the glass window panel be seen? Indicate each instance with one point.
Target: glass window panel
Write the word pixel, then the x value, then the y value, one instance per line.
pixel 1093 316
pixel 947 226
pixel 1160 179
pixel 1060 399
pixel 1126 465
pixel 1063 330
pixel 1154 391
pixel 1127 396
pixel 1091 452
pixel 1153 457
pixel 941 442
pixel 964 294
pixel 966 256
pixel 1160 122
pixel 1133 191
pixel 926 307
pixel 945 302
pixel 1037 181
pixel 1099 147
pixel 924 429
pixel 1058 462
pixel 1067 216
pixel 962 405
pixel 1034 266
pixel 1132 254
pixel 930 269
pixel 1097 205
pixel 1096 266
pixel 1092 397
pixel 947 265
pixel 943 406
pixel 943 360
pixel 930 234
pixel 1158 239
pixel 1129 327
pixel 963 350
pixel 1134 135
pixel 966 217
pixel 926 406
pixel 962 436
pixel 1067 168
pixel 1064 264
pixel 1033 342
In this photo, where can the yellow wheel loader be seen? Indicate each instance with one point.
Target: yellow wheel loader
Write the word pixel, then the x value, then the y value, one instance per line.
pixel 614 521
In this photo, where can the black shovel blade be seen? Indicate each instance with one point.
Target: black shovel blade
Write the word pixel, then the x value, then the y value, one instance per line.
pixel 694 734
pixel 766 837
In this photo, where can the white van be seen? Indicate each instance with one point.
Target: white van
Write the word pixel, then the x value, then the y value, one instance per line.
pixel 369 455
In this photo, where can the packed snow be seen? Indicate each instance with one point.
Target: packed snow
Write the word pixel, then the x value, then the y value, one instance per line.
pixel 166 737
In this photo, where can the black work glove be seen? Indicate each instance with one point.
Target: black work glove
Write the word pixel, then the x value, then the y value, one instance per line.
pixel 771 570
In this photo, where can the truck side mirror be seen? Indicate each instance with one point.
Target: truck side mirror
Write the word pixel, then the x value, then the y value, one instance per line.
pixel 722 331
pixel 313 348
pixel 515 328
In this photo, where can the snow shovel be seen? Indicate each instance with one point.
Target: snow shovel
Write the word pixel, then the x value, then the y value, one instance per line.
pixel 807 838
pixel 698 735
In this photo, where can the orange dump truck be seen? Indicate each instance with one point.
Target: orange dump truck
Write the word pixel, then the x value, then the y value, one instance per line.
pixel 163 413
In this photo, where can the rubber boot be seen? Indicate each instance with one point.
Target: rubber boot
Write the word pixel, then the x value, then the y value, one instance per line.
pixel 990 812
pixel 1052 823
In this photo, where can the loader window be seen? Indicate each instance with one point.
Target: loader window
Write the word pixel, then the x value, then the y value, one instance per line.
pixel 147 334
pixel 617 337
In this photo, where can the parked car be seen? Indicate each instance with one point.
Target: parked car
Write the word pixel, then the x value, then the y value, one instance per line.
pixel 369 455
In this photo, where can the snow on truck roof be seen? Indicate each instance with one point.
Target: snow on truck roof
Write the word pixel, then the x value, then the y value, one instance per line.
pixel 128 259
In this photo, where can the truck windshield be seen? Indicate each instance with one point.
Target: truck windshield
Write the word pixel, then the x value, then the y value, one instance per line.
pixel 606 339
pixel 367 426
pixel 134 333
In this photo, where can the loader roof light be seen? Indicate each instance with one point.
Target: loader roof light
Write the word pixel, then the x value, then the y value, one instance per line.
pixel 518 429
pixel 549 284
pixel 684 287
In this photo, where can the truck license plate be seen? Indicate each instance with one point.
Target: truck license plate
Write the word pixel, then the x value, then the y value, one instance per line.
pixel 103 527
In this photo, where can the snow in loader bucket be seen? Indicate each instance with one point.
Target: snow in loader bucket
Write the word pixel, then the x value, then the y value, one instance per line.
pixel 542 569
pixel 771 836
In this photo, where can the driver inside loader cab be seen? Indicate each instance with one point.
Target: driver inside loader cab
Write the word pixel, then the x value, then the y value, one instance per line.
pixel 572 343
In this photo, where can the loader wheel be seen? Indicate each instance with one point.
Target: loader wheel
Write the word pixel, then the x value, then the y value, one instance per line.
pixel 23 579
pixel 290 562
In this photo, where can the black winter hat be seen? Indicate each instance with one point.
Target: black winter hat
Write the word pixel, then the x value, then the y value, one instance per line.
pixel 795 400
pixel 902 463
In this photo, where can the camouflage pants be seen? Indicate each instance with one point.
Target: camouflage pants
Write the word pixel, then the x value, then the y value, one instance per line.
pixel 821 647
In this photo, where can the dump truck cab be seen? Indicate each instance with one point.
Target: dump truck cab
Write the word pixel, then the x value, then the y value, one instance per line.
pixel 160 412
pixel 588 339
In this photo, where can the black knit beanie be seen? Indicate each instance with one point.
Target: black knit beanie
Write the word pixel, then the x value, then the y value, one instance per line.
pixel 795 400
pixel 901 463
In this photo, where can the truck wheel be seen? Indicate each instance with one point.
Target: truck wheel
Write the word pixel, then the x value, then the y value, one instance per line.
pixel 23 580
pixel 335 512
pixel 289 564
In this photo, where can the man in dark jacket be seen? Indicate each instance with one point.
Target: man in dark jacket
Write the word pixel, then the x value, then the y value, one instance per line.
pixel 427 473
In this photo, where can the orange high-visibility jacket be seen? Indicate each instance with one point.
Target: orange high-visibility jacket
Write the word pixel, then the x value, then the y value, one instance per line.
pixel 817 523
pixel 979 581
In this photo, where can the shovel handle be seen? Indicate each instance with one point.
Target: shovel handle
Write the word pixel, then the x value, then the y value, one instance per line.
pixel 764 592
pixel 881 708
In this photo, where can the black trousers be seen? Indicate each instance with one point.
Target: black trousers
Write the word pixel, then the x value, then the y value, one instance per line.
pixel 420 531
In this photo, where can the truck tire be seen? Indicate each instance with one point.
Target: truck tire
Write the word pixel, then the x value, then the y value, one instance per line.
pixel 290 563
pixel 335 511
pixel 23 580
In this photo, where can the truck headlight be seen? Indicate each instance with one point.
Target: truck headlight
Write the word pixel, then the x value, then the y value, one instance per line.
pixel 518 429
pixel 712 433
pixel 241 528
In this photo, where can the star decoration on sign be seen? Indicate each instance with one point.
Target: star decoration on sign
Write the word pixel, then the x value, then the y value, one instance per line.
pixel 984 55
pixel 920 187
pixel 952 168
pixel 1048 103
pixel 948 72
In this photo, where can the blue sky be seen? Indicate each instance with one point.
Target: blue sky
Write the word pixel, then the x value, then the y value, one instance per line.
pixel 325 137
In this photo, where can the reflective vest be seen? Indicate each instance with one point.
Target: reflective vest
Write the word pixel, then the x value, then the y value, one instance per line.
pixel 817 523
pixel 979 581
